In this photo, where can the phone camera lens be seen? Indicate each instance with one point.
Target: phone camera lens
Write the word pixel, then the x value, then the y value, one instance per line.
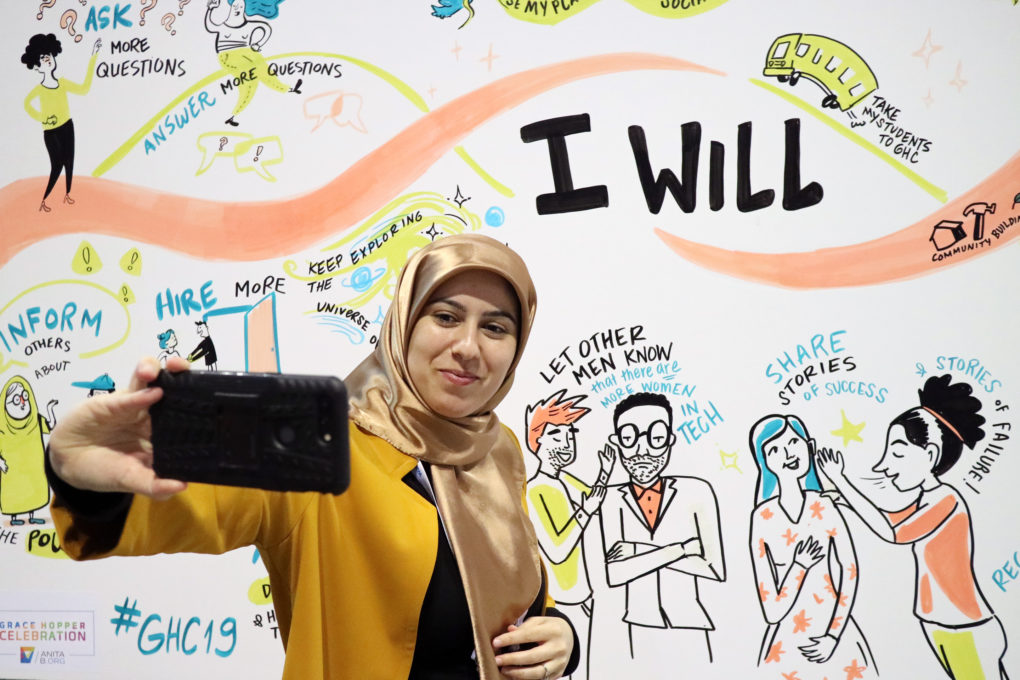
pixel 286 434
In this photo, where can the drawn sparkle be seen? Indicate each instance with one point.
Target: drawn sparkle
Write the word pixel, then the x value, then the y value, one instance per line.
pixel 927 49
pixel 848 431
pixel 459 198
pixel 456 50
pixel 729 460
pixel 958 82
pixel 928 99
pixel 490 57
pixel 432 232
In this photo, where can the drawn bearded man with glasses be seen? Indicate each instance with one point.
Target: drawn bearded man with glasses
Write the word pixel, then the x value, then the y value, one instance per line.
pixel 661 534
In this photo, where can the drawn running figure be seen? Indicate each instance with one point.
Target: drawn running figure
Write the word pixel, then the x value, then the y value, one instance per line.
pixel 922 444
pixel 53 112
pixel 804 561
pixel 239 42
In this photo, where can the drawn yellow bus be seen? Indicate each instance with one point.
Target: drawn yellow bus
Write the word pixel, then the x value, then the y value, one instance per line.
pixel 844 76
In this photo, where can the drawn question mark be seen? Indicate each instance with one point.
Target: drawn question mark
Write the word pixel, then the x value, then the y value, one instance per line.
pixel 181 4
pixel 44 5
pixel 146 6
pixel 168 22
pixel 257 152
pixel 67 20
pixel 223 142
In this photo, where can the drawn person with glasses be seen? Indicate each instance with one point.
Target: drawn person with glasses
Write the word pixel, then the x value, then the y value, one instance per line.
pixel 661 535
pixel 23 485
pixel 561 506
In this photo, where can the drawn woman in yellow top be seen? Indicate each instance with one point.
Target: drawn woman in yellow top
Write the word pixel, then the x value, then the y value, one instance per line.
pixel 53 112
pixel 23 486
pixel 239 42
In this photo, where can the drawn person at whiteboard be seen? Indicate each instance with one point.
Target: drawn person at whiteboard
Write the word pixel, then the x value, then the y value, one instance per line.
pixel 805 565
pixel 922 444
pixel 561 506
pixel 661 536
pixel 53 112
pixel 23 485
pixel 205 348
pixel 239 42
pixel 168 346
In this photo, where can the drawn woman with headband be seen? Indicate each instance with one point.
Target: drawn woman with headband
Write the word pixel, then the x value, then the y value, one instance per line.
pixel 922 444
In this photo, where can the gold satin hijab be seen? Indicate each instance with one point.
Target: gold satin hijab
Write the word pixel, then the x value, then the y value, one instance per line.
pixel 478 472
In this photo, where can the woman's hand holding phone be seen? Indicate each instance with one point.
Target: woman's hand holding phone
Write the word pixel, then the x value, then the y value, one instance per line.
pixel 104 443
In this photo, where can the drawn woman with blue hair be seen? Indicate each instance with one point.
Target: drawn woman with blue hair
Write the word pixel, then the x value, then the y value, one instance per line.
pixel 804 561
pixel 167 346
pixel 239 42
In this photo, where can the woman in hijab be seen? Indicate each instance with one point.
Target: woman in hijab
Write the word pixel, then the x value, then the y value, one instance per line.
pixel 427 566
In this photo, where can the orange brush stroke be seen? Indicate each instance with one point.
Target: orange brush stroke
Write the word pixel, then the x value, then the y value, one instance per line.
pixel 903 254
pixel 259 230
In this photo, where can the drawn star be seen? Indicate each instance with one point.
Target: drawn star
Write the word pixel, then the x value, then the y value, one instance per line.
pixel 729 460
pixel 380 315
pixel 775 652
pixel 928 99
pixel 848 431
pixel 927 49
pixel 432 92
pixel 490 57
pixel 456 50
pixel 432 232
pixel 816 509
pixel 459 198
pixel 958 82
pixel 854 671
pixel 801 621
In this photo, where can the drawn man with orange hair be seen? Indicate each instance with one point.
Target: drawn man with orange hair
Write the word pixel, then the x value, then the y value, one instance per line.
pixel 561 505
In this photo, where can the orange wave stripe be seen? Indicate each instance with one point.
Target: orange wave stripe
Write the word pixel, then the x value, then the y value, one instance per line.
pixel 258 230
pixel 904 254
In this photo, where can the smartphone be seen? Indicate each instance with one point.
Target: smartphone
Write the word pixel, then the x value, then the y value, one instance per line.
pixel 270 431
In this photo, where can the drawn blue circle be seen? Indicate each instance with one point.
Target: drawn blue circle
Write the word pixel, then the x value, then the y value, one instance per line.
pixel 494 217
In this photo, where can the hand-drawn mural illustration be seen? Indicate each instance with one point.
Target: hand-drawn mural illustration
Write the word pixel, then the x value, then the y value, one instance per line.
pixel 53 110
pixel 836 215
pixel 842 74
pixel 168 346
pixel 239 43
pixel 23 485
pixel 661 535
pixel 103 384
pixel 205 349
pixel 922 444
pixel 561 506
pixel 805 565
pixel 447 8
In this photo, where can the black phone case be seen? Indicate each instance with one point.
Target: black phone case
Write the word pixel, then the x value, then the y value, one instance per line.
pixel 263 430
